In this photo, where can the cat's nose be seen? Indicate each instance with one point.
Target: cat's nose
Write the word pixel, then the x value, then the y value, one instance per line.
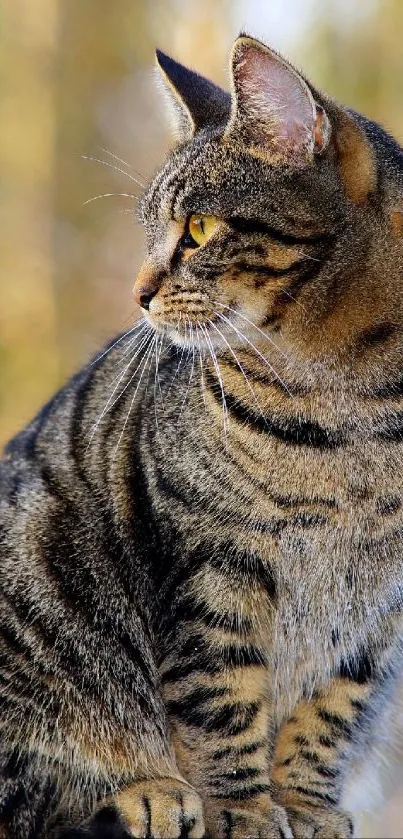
pixel 143 297
pixel 146 286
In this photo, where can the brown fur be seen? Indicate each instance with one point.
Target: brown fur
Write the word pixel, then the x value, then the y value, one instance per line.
pixel 209 549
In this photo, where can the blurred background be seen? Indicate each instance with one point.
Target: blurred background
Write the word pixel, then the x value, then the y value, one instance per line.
pixel 77 82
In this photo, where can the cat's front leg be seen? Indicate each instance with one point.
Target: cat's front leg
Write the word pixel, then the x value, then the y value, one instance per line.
pixel 220 733
pixel 316 747
pixel 216 688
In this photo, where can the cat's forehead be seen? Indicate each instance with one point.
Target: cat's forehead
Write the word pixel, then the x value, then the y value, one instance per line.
pixel 204 176
pixel 222 179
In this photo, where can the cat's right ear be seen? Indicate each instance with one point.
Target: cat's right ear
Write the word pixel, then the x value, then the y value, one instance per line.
pixel 193 101
pixel 274 112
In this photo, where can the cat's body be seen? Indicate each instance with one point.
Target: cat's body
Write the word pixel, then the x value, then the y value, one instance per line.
pixel 204 575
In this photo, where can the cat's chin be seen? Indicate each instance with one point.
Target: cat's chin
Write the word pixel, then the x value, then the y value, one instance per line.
pixel 209 334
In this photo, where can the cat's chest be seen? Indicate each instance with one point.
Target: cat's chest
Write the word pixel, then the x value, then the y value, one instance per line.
pixel 312 518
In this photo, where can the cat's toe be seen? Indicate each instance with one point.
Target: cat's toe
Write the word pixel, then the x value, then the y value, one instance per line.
pixel 318 823
pixel 162 808
pixel 238 823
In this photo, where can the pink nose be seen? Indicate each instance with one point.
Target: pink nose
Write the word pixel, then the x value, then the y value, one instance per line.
pixel 143 296
pixel 145 287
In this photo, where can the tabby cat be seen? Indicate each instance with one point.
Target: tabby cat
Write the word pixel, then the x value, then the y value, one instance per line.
pixel 201 534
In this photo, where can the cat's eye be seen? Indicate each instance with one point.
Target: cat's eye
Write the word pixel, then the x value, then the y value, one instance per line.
pixel 200 228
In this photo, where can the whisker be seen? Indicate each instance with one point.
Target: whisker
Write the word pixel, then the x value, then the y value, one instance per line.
pixel 143 362
pixel 255 349
pixel 125 335
pixel 191 372
pixel 177 369
pixel 111 195
pixel 238 363
pixel 307 255
pixel 294 300
pixel 157 386
pixel 129 347
pixel 219 376
pixel 109 405
pixel 111 166
pixel 125 163
pixel 203 386
pixel 250 322
pixel 133 340
pixel 157 361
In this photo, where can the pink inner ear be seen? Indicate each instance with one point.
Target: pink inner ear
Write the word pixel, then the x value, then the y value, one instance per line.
pixel 271 93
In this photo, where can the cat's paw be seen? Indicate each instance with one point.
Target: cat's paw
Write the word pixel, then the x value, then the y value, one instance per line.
pixel 320 823
pixel 162 809
pixel 238 823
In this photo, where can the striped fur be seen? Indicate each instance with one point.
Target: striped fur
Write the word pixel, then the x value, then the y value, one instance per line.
pixel 201 534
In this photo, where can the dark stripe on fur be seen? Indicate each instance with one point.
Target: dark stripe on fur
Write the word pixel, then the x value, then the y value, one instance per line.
pixel 266 377
pixel 293 430
pixel 248 225
pixel 266 271
pixel 314 760
pixel 375 335
pixel 392 430
pixel 389 390
pixel 339 727
pixel 238 751
pixel 388 505
pixel 358 668
pixel 231 718
pixel 247 566
pixel 319 796
pixel 241 773
pixel 243 793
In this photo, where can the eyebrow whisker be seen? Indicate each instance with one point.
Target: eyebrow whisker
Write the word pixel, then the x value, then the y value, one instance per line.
pixel 125 163
pixel 111 166
pixel 112 195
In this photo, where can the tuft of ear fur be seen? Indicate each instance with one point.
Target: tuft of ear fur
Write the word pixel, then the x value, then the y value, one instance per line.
pixel 274 111
pixel 194 102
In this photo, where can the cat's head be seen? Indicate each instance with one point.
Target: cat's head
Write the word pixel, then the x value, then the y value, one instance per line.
pixel 253 203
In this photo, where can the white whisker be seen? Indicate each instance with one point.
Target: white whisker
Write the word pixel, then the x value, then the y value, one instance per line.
pixel 177 369
pixel 191 372
pixel 157 386
pixel 219 376
pixel 125 163
pixel 145 328
pixel 157 361
pixel 294 300
pixel 141 322
pixel 111 166
pixel 250 322
pixel 143 362
pixel 255 349
pixel 307 255
pixel 238 363
pixel 203 387
pixel 111 195
pixel 109 405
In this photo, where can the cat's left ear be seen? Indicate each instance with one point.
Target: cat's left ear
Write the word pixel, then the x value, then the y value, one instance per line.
pixel 274 111
pixel 194 101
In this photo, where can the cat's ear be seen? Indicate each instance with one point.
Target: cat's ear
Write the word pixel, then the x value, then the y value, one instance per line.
pixel 194 101
pixel 273 110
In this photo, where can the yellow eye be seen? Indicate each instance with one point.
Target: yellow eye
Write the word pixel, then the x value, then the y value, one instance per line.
pixel 201 227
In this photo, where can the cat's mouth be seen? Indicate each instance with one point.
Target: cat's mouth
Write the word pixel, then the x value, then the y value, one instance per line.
pixel 187 329
pixel 223 327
